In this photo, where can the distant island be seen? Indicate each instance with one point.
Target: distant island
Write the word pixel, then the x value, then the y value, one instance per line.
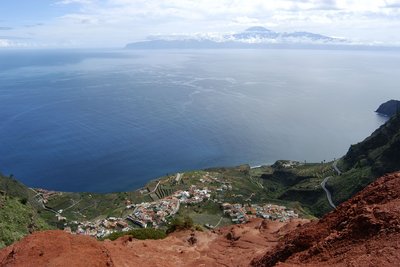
pixel 253 37
pixel 389 108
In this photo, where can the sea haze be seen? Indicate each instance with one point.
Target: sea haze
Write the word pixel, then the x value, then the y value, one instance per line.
pixel 106 121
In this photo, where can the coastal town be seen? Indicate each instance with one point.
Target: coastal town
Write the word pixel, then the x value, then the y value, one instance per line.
pixel 164 206
pixel 156 214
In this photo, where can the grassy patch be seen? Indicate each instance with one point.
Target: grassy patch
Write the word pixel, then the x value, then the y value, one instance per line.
pixel 344 186
pixel 17 220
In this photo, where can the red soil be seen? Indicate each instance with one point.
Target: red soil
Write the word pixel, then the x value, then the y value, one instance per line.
pixel 230 246
pixel 363 231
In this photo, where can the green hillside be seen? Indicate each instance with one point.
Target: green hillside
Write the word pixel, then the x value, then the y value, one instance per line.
pixel 17 219
pixel 364 162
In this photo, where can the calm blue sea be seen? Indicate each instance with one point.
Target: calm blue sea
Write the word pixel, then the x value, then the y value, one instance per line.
pixel 106 121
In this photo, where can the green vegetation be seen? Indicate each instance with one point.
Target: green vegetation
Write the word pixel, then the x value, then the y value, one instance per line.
pixel 375 156
pixel 180 223
pixel 203 213
pixel 142 234
pixel 349 183
pixel 14 188
pixel 17 220
pixel 297 186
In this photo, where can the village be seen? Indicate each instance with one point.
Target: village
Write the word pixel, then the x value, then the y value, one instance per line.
pixel 156 214
pixel 242 213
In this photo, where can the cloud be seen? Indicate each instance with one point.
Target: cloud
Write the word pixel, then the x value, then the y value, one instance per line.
pixel 5 28
pixel 7 43
pixel 246 20
pixel 116 22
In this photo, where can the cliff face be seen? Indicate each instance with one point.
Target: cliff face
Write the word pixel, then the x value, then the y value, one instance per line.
pixel 377 155
pixel 363 231
pixel 381 150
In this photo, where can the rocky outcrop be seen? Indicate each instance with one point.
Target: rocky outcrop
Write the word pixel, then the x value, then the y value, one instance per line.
pixel 389 108
pixel 364 231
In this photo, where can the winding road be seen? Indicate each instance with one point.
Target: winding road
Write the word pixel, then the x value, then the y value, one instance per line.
pixel 334 165
pixel 41 202
pixel 328 194
pixel 323 184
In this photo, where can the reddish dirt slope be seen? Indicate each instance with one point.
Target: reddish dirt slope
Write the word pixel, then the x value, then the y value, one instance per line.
pixel 230 246
pixel 364 231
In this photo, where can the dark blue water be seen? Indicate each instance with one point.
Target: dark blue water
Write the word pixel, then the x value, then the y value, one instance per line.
pixel 112 120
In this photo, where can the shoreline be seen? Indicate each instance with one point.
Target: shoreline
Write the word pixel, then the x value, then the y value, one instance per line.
pixel 159 180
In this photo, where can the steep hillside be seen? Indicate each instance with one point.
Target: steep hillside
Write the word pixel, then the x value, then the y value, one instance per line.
pixel 17 219
pixel 14 188
pixel 363 231
pixel 364 162
pixel 380 151
pixel 293 182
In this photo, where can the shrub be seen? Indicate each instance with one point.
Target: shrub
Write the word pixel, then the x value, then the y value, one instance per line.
pixel 199 228
pixel 142 234
pixel 180 223
pixel 23 200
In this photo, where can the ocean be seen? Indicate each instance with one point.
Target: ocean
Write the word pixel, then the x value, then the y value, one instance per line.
pixel 111 120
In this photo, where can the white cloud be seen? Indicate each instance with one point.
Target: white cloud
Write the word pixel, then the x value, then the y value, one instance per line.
pixel 5 43
pixel 116 22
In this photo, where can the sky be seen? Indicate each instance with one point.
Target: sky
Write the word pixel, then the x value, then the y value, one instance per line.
pixel 114 23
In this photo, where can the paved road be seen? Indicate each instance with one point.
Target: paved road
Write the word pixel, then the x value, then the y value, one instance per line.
pixel 155 188
pixel 220 220
pixel 334 165
pixel 41 201
pixel 328 194
pixel 73 204
pixel 323 184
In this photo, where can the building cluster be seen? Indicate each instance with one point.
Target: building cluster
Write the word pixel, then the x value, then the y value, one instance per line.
pixel 207 178
pixel 154 213
pixel 100 228
pixel 193 195
pixel 242 213
pixel 236 212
